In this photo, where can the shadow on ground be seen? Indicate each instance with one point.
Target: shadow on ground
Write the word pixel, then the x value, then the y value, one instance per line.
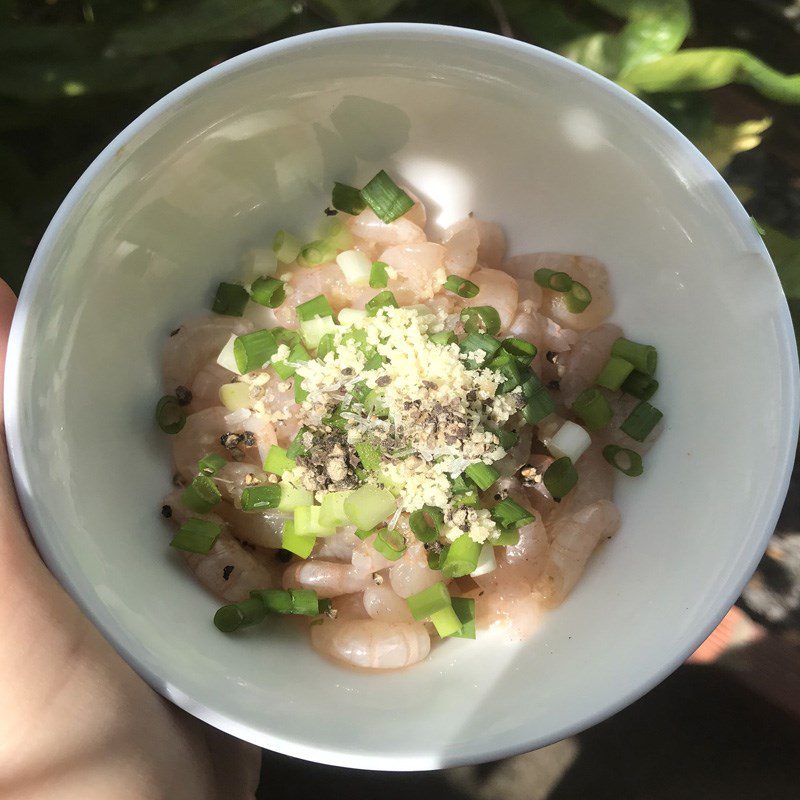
pixel 700 734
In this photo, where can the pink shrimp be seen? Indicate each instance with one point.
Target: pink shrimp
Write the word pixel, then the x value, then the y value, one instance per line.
pixel 382 603
pixel 411 574
pixel 491 243
pixel 585 360
pixel 350 606
pixel 327 578
pixel 199 436
pixel 260 528
pixel 497 289
pixel 461 243
pixel 417 213
pixel 339 547
pixel 206 385
pixel 366 559
pixel 595 482
pixel 368 227
pixel 574 539
pixel 507 605
pixel 419 268
pixel 530 295
pixel 372 644
pixel 194 344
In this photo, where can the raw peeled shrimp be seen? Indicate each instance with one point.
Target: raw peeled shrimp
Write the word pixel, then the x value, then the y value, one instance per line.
pixel 574 539
pixel 194 344
pixel 338 547
pixel 526 559
pixel 585 360
pixel 350 606
pixel 382 603
pixel 508 605
pixel 491 243
pixel 206 385
pixel 366 559
pixel 260 528
pixel 530 295
pixel 595 483
pixel 419 268
pixel 417 213
pixel 621 406
pixel 497 289
pixel 461 242
pixel 372 644
pixel 327 578
pixel 229 569
pixel 369 228
pixel 411 574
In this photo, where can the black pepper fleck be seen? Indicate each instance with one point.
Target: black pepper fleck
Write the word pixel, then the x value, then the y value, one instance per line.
pixel 330 212
pixel 249 438
pixel 184 395
pixel 230 440
pixel 176 331
pixel 166 511
pixel 284 556
pixel 551 356
pixel 384 380
pixel 555 385
pixel 226 572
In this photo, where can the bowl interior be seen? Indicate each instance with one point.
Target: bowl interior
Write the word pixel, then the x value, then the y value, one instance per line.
pixel 564 161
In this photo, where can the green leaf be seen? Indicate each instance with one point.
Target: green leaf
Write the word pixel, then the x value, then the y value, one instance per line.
pixel 351 12
pixel 709 68
pixel 690 112
pixel 189 23
pixel 785 252
pixel 654 28
pixel 544 23
pixel 722 142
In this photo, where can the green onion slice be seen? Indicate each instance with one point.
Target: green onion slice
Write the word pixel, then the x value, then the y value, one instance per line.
pixel 276 601
pixel 523 351
pixel 238 615
pixel 577 299
pixel 480 319
pixel 443 338
pixel 259 498
pixel 641 421
pixel 201 495
pixel 386 198
pixel 369 454
pixel 295 543
pixel 253 350
pixel 381 300
pixel 425 523
pixel 269 292
pixel 550 279
pixel 315 307
pixel 478 343
pixel 390 544
pixel 593 409
pixel 614 373
pixel 462 557
pixel 297 448
pixel 427 602
pixel 230 300
pixel 446 622
pixel 507 513
pixel 378 276
pixel 196 536
pixel 278 461
pixel 210 464
pixel 461 286
pixel 347 198
pixel 538 402
pixel 286 247
pixel 464 608
pixel 508 537
pixel 482 475
pixel 626 461
pixel 639 384
pixel 170 415
pixel 643 356
pixel 560 477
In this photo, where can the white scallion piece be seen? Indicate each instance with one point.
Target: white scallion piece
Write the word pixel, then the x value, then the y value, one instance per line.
pixel 569 440
pixel 235 397
pixel 356 267
pixel 237 417
pixel 226 358
pixel 486 561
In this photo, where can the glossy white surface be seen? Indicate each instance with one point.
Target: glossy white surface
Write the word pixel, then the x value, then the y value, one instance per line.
pixel 566 161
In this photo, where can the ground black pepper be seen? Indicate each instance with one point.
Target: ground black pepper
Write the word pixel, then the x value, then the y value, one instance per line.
pixel 226 572
pixel 183 395
pixel 166 511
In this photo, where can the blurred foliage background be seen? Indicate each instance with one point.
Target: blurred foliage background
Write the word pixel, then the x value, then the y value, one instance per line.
pixel 73 73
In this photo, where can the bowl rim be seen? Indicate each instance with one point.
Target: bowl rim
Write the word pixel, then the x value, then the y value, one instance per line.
pixel 21 467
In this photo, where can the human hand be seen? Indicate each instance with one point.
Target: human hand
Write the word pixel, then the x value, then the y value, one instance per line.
pixel 75 720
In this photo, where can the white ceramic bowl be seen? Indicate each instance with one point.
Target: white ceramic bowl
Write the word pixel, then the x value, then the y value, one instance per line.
pixel 566 161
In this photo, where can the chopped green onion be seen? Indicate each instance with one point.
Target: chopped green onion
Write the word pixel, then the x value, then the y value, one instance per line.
pixel 478 343
pixel 483 475
pixel 286 369
pixel 331 513
pixel 355 266
pixel 237 615
pixel 337 235
pixel 641 421
pixel 643 356
pixel 299 545
pixel 277 461
pixel 507 439
pixel 444 338
pixel 507 538
pixel 381 300
pixel 234 395
pixel 304 602
pixel 297 448
pixel 363 534
pixel 368 506
pixel 369 454
pixel 315 253
pixel 480 319
pixel 512 374
pixel 614 373
pixel 312 330
pixel 446 622
pixel 560 477
pixel 276 601
pixel 626 461
pixel 253 350
pixel 315 307
pixel 300 393
pixel 325 345
pixel 425 523
pixel 577 299
pixel 211 464
pixel 461 485
pixel 230 300
pixel 550 279
pixel 335 419
pixel 523 351
pixel 593 409
pixel 507 513
pixel 638 384
pixel 378 276
pixel 538 403
pixel 269 292
pixel 386 198
pixel 201 495
pixel 170 415
pixel 462 557
pixel 428 601
pixel 390 544
pixel 435 559
pixel 464 608
pixel 293 497
pixel 461 286
pixel 285 336
pixel 347 198
pixel 469 499
pixel 308 523
pixel 286 247
pixel 374 404
pixel 258 498
pixel 196 536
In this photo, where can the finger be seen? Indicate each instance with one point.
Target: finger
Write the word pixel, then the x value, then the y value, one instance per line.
pixel 8 303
